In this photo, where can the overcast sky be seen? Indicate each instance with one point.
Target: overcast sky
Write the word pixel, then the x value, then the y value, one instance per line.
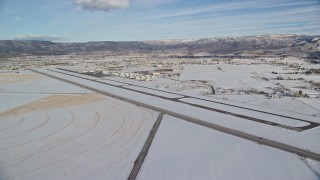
pixel 127 20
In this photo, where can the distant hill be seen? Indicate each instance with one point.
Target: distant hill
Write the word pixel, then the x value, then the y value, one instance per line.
pixel 272 45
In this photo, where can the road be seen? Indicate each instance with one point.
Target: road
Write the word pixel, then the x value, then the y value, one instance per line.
pixel 183 96
pixel 138 163
pixel 260 140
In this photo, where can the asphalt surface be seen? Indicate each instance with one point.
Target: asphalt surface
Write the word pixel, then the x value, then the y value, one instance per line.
pixel 260 140
pixel 139 161
pixel 298 129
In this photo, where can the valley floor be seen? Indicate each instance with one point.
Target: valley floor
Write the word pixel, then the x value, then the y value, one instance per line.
pixel 50 129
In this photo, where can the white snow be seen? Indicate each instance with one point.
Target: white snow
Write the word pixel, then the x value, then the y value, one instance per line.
pixel 315 104
pixel 267 105
pixel 155 92
pixel 299 105
pixel 182 150
pixel 245 112
pixel 112 82
pixel 42 85
pixel 305 140
pixel 94 140
pixel 228 76
pixel 91 141
pixel 12 100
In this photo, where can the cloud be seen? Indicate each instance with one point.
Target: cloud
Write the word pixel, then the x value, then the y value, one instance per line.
pixel 229 7
pixel 103 5
pixel 152 3
pixel 39 38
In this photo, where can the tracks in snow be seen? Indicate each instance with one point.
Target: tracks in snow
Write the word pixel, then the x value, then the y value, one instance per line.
pixel 217 127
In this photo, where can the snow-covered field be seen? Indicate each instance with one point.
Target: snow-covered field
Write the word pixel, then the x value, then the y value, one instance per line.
pixel 306 106
pixel 181 150
pixel 223 118
pixel 307 140
pixel 29 82
pixel 267 117
pixel 155 92
pixel 228 76
pixel 53 130
pixel 168 85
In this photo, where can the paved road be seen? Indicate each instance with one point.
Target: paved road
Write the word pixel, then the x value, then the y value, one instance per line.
pixel 138 163
pixel 182 96
pixel 237 133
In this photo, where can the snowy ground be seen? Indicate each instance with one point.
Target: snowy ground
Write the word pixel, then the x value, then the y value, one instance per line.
pixel 29 82
pixel 169 85
pixel 304 106
pixel 267 117
pixel 307 140
pixel 229 76
pixel 53 130
pixel 182 150
pixel 78 134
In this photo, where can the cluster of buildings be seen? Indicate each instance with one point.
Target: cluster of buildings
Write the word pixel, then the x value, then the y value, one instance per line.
pixel 291 74
pixel 135 76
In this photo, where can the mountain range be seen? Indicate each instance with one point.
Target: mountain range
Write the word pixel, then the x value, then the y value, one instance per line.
pixel 264 45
